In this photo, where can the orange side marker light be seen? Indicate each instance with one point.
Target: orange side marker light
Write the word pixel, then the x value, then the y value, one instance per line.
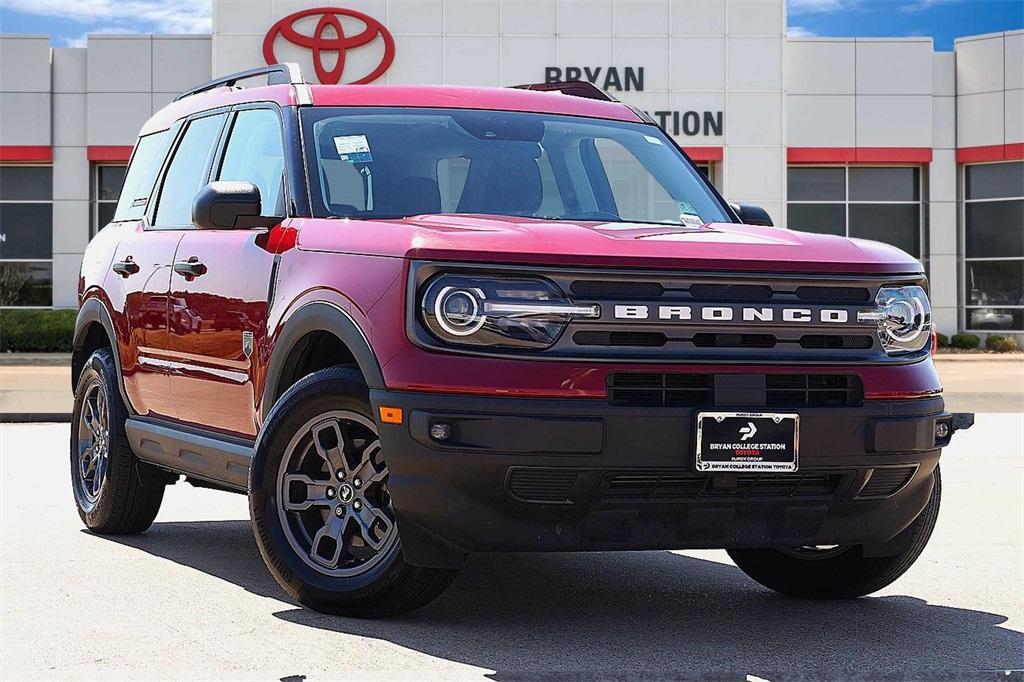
pixel 390 415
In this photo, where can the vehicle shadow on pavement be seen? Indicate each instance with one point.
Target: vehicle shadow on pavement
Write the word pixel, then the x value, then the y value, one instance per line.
pixel 629 612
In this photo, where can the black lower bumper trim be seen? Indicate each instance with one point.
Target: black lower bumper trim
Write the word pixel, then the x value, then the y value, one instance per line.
pixel 569 475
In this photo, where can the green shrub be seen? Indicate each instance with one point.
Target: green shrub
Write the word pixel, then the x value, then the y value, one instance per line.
pixel 36 331
pixel 943 340
pixel 966 341
pixel 1000 343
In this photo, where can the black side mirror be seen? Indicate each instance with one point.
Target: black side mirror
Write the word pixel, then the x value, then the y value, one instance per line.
pixel 752 215
pixel 230 205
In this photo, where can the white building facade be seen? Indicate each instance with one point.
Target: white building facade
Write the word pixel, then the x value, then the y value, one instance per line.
pixel 882 138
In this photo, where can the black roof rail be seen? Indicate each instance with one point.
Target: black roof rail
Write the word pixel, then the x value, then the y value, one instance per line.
pixel 574 88
pixel 277 74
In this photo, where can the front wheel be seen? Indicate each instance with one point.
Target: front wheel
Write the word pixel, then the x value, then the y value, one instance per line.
pixel 839 572
pixel 320 506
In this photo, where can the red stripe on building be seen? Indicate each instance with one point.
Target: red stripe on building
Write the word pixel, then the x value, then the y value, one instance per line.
pixel 704 153
pixel 110 153
pixel 821 154
pixel 894 154
pixel 25 154
pixel 992 152
pixel 797 155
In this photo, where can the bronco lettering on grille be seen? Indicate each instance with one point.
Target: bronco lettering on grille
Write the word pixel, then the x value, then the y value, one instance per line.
pixel 727 314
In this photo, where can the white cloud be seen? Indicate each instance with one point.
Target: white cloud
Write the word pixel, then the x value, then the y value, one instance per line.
pixel 919 5
pixel 182 16
pixel 819 6
pixel 800 32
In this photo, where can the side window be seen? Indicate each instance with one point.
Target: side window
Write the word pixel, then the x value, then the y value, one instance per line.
pixel 637 194
pixel 255 152
pixel 186 172
pixel 138 183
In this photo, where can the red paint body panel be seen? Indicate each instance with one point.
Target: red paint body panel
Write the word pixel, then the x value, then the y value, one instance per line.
pixel 180 340
pixel 26 154
pixel 721 247
pixel 457 97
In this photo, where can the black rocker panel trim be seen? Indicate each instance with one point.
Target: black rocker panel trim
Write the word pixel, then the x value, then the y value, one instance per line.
pixel 192 452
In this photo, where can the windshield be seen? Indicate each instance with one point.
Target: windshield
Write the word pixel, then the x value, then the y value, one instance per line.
pixel 390 163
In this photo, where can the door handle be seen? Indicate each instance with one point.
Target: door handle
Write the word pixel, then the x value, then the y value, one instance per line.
pixel 190 268
pixel 125 267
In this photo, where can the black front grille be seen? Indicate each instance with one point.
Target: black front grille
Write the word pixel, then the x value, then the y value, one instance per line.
pixel 886 481
pixel 668 389
pixel 681 484
pixel 594 288
pixel 815 294
pixel 713 340
pixel 612 338
pixel 731 292
pixel 533 484
pixel 658 389
pixel 814 390
pixel 837 341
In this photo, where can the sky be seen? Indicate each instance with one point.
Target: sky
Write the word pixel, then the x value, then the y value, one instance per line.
pixel 69 21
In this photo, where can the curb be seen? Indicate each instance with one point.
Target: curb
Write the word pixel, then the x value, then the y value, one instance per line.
pixel 35 359
pixel 978 357
pixel 35 417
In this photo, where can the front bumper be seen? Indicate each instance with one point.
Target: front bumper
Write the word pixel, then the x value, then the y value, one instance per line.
pixel 529 474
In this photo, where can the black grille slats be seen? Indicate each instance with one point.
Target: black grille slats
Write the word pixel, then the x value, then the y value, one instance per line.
pixel 886 481
pixel 814 390
pixel 824 294
pixel 656 389
pixel 677 389
pixel 683 485
pixel 731 292
pixel 533 484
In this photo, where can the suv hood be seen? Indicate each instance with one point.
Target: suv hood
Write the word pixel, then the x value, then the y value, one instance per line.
pixel 497 239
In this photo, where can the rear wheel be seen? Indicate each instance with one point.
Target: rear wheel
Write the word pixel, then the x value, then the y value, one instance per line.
pixel 114 491
pixel 839 571
pixel 320 505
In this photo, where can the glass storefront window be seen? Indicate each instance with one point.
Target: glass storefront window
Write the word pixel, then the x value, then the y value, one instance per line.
pixel 993 246
pixel 106 188
pixel 884 203
pixel 26 236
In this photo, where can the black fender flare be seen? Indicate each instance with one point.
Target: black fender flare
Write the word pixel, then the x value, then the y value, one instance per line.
pixel 92 311
pixel 325 317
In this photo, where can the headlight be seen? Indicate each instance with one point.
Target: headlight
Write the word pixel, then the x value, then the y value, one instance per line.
pixel 497 311
pixel 904 319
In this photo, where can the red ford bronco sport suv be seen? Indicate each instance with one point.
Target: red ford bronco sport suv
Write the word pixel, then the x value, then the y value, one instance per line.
pixel 412 323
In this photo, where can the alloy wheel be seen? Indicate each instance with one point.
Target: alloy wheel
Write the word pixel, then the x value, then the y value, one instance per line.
pixel 334 504
pixel 93 445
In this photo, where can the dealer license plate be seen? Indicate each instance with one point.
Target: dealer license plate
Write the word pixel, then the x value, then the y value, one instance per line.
pixel 747 441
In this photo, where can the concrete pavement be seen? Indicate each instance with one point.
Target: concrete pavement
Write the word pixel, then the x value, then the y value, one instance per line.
pixel 973 383
pixel 191 599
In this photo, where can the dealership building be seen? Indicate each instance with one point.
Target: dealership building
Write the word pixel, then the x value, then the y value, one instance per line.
pixel 881 138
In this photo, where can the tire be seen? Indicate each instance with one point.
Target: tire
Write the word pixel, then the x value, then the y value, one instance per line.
pixel 115 493
pixel 842 572
pixel 329 537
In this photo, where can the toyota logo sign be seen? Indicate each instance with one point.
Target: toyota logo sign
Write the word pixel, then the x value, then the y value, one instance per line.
pixel 329 37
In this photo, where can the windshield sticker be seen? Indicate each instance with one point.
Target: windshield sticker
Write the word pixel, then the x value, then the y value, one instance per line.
pixel 652 140
pixel 688 215
pixel 353 148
